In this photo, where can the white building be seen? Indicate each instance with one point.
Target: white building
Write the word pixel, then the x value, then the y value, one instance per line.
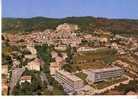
pixel 83 49
pixel 54 54
pixel 64 55
pixel 59 59
pixel 103 74
pixel 24 79
pixel 34 65
pixel 54 67
pixel 61 47
pixel 69 81
pixel 30 56
pixel 114 45
pixel 32 49
pixel 5 69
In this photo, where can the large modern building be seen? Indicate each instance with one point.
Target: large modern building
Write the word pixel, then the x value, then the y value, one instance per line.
pixel 69 81
pixel 97 75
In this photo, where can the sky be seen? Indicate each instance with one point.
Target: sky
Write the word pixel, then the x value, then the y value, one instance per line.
pixel 68 8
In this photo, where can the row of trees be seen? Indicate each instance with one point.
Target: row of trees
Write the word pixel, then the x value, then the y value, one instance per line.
pixel 44 54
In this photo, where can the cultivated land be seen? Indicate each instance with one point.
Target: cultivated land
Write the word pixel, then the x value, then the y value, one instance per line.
pixel 100 58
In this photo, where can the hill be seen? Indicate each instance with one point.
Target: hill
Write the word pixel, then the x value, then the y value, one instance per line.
pixel 87 24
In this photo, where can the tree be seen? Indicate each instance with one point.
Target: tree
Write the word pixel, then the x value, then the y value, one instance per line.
pixel 46 69
pixel 23 89
pixel 70 53
pixel 36 82
pixel 67 67
pixel 44 53
pixel 26 88
pixel 131 86
pixel 70 68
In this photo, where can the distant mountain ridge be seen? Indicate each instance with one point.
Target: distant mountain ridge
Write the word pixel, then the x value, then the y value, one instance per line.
pixel 87 24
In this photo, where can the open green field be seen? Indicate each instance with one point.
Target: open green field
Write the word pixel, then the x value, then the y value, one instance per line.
pixel 81 75
pixel 95 59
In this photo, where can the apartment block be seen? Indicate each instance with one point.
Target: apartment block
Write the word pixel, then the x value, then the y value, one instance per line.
pixel 69 81
pixel 97 75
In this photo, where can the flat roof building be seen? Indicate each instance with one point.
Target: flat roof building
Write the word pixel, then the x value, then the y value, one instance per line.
pixel 25 78
pixel 54 66
pixel 69 81
pixel 34 65
pixel 5 69
pixel 96 75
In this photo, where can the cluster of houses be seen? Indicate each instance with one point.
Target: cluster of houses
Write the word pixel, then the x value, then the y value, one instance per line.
pixel 16 72
pixel 5 77
pixel 130 68
pixel 63 36
pixel 59 61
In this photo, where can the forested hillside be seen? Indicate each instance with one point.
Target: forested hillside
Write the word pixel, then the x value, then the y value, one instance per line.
pixel 86 24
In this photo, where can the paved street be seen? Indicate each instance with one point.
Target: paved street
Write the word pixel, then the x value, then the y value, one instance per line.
pixel 16 74
pixel 44 78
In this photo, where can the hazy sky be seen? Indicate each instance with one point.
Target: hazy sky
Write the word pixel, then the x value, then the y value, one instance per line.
pixel 65 8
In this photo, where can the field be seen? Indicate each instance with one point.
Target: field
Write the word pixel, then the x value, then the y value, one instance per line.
pixel 81 75
pixel 95 59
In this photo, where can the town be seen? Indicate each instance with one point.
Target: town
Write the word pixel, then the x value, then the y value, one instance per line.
pixel 66 61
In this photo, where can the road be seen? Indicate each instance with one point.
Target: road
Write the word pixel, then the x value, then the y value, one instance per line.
pixel 16 74
pixel 44 78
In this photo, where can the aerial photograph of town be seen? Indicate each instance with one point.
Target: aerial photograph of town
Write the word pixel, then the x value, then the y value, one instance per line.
pixel 69 47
